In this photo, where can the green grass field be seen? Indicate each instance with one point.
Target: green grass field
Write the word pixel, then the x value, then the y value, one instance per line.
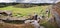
pixel 24 11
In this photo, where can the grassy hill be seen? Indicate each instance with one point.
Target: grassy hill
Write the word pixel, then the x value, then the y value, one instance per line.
pixel 25 11
pixel 40 10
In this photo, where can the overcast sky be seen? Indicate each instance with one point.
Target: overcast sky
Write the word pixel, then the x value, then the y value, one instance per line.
pixel 29 1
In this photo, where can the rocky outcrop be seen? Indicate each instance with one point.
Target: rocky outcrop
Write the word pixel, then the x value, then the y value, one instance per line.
pixel 56 13
pixel 6 13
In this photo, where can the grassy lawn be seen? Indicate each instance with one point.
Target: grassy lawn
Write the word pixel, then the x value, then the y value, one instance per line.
pixel 24 11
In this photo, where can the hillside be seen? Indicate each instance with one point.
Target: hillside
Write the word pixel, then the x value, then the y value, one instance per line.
pixel 25 11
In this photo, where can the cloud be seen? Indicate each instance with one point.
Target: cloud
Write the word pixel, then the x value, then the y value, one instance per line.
pixel 28 1
pixel 36 1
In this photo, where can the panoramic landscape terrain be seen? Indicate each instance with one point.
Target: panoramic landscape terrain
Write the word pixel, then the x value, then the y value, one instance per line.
pixel 20 15
pixel 22 12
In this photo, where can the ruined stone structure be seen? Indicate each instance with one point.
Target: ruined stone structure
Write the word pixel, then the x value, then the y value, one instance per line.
pixel 6 13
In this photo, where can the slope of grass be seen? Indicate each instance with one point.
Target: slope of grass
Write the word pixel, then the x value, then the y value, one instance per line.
pixel 24 11
pixel 40 10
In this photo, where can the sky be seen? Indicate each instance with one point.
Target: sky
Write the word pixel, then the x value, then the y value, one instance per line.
pixel 36 1
pixel 28 1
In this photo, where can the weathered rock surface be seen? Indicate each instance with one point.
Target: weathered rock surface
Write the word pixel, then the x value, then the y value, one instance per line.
pixel 56 13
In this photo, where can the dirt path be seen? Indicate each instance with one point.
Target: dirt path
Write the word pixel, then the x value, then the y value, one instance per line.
pixel 6 25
